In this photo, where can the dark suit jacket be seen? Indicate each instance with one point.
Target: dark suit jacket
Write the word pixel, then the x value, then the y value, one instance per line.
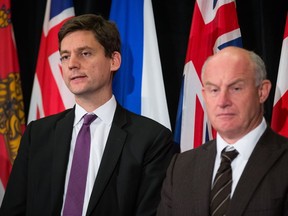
pixel 261 191
pixel 130 176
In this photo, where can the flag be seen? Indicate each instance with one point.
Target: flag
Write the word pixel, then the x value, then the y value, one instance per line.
pixel 50 95
pixel 214 26
pixel 12 118
pixel 138 84
pixel 279 120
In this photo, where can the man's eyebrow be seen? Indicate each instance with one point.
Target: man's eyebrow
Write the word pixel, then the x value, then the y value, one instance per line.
pixel 79 49
pixel 64 51
pixel 83 48
pixel 236 82
pixel 208 83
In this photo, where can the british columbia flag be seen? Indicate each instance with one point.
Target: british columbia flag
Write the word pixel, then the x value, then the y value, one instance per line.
pixel 214 26
pixel 12 117
pixel 50 94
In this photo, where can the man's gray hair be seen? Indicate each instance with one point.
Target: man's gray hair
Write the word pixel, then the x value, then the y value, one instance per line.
pixel 258 66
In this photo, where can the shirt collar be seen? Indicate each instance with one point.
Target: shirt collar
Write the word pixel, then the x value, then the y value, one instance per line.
pixel 105 112
pixel 246 144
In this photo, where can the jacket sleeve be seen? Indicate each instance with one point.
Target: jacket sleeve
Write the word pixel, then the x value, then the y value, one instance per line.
pixel 157 159
pixel 15 197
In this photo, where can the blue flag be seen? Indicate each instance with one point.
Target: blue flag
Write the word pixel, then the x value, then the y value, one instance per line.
pixel 138 84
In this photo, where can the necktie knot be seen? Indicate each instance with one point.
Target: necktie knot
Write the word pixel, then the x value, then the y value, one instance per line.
pixel 89 118
pixel 229 156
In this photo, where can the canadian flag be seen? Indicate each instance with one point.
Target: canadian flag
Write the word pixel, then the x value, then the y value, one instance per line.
pixel 280 109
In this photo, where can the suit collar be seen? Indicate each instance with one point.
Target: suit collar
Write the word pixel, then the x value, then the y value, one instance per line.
pixel 199 182
pixel 105 112
pixel 265 154
pixel 246 144
pixel 62 140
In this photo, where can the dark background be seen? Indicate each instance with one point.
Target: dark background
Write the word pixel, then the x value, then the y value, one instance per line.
pixel 261 22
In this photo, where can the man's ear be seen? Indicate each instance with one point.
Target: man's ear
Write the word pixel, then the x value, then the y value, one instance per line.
pixel 115 61
pixel 264 90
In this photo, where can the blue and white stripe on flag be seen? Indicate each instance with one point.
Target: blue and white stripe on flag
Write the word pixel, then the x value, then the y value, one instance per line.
pixel 138 85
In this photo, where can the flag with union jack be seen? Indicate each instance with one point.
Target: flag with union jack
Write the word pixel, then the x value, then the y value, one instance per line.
pixel 280 108
pixel 214 26
pixel 50 94
pixel 12 118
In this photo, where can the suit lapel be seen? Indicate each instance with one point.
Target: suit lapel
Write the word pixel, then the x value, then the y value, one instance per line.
pixel 61 146
pixel 195 182
pixel 112 152
pixel 261 160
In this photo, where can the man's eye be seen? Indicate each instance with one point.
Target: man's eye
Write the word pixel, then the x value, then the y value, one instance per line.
pixel 236 89
pixel 213 90
pixel 64 58
pixel 85 53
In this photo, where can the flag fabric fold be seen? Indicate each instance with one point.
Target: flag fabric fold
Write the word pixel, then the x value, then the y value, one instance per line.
pixel 138 84
pixel 50 94
pixel 12 117
pixel 279 121
pixel 214 26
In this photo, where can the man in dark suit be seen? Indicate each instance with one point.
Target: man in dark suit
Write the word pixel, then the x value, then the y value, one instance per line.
pixel 129 153
pixel 234 90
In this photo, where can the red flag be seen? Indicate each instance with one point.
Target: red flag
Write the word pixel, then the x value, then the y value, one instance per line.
pixel 12 118
pixel 280 109
pixel 214 26
pixel 50 94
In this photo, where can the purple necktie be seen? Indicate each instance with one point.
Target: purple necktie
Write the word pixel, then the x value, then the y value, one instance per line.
pixel 78 175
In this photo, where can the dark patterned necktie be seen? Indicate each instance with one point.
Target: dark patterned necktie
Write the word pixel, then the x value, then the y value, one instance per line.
pixel 78 175
pixel 221 188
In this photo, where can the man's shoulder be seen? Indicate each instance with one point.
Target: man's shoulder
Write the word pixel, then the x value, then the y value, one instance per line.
pixel 199 151
pixel 273 138
pixel 54 118
pixel 133 119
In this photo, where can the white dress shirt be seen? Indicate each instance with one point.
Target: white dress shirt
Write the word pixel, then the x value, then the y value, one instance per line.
pixel 244 146
pixel 99 130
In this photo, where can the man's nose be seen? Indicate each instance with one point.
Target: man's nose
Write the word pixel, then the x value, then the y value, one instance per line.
pixel 224 99
pixel 73 62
